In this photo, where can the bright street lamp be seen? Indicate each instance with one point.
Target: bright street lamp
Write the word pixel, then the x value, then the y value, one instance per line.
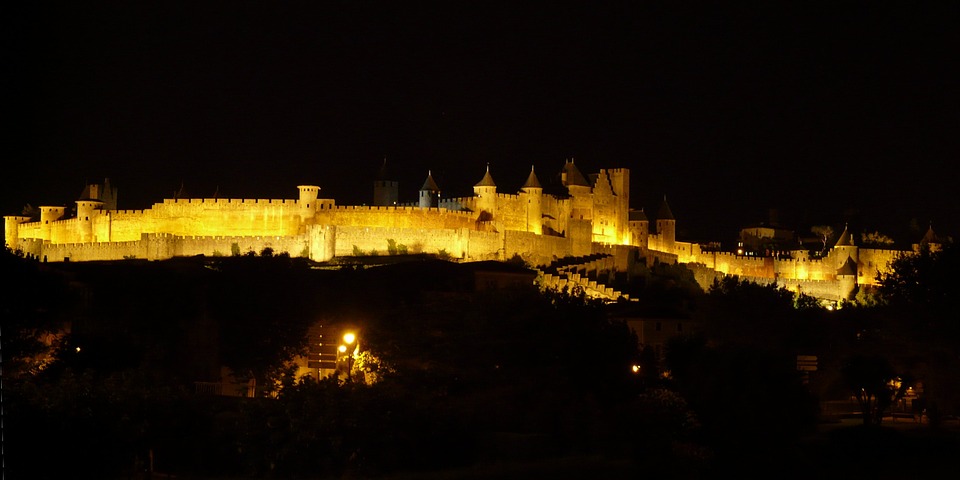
pixel 349 338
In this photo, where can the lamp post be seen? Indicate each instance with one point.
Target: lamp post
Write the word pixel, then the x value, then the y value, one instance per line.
pixel 349 338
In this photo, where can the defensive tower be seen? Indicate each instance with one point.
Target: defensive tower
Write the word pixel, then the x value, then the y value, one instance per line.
pixel 531 194
pixel 429 193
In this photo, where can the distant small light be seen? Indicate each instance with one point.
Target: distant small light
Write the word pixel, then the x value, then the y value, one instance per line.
pixel 78 349
pixel 636 369
pixel 343 348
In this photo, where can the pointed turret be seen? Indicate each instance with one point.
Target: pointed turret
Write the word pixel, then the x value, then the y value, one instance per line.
pixel 849 267
pixel 847 279
pixel 485 194
pixel 532 192
pixel 487 180
pixel 571 176
pixel 666 227
pixel 429 184
pixel 664 213
pixel 930 237
pixel 847 255
pixel 930 240
pixel 429 193
pixel 846 239
pixel 532 181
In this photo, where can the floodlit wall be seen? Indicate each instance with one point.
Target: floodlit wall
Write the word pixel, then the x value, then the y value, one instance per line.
pixel 227 217
pixel 395 217
pixel 874 261
pixel 317 244
pixel 536 249
pixel 539 227
pixel 374 240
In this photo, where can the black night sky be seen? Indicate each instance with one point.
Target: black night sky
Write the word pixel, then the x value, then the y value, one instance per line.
pixel 830 112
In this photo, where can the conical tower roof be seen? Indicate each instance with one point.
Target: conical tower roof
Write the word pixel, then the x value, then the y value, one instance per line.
pixel 849 267
pixel 846 239
pixel 638 216
pixel 532 181
pixel 487 180
pixel 429 184
pixel 664 213
pixel 930 237
pixel 572 175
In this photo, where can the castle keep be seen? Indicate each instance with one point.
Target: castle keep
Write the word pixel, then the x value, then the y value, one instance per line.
pixel 577 216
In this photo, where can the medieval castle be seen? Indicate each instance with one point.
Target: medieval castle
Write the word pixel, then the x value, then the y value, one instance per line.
pixel 587 217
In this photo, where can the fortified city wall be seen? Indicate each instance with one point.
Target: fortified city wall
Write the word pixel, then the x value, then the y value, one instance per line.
pixel 538 227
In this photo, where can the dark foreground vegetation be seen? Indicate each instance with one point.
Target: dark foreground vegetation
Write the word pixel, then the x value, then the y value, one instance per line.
pixel 466 383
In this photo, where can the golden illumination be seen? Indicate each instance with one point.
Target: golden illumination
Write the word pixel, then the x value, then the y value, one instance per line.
pixel 349 338
pixel 342 348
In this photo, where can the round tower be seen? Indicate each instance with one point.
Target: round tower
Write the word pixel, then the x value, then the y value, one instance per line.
pixel 87 210
pixel 485 192
pixel 11 230
pixel 531 193
pixel 846 247
pixel 429 193
pixel 847 256
pixel 48 215
pixel 847 280
pixel 666 227
pixel 308 202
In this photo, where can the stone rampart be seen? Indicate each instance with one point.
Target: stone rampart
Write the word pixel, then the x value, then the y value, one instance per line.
pixel 656 256
pixel 241 203
pixel 535 249
pixel 485 246
pixel 129 225
pixel 374 240
pixel 294 246
pixel 88 252
pixel 30 230
pixel 224 217
pixel 704 276
pixel 873 262
pixel 65 231
pixel 395 217
pixel 741 265
pixel 624 256
pixel 687 252
pixel 804 268
pixel 822 289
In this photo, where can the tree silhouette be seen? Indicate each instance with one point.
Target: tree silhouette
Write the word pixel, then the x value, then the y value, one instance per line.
pixel 874 383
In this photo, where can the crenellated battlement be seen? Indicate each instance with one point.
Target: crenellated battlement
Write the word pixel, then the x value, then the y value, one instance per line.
pixel 539 228
pixel 233 202
pixel 398 209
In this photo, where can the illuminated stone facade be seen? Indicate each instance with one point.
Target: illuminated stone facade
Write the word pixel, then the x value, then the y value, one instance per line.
pixel 577 217
pixel 489 225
